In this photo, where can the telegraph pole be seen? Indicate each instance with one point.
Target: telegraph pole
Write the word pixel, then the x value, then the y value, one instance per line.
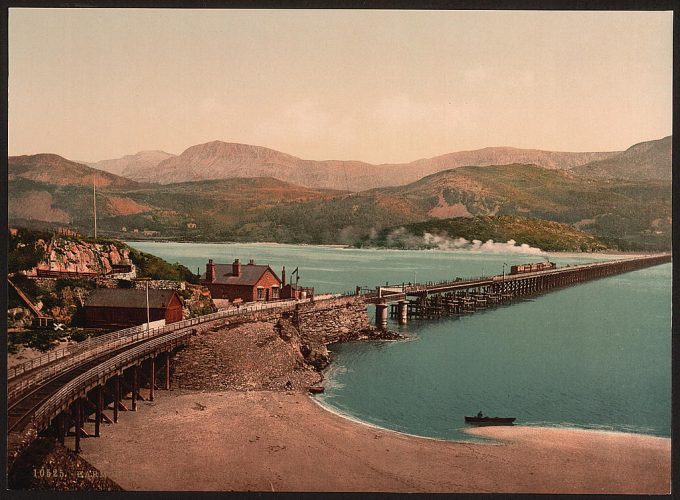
pixel 147 306
pixel 94 203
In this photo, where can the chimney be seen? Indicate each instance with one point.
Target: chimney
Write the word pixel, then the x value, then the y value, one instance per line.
pixel 236 267
pixel 210 271
pixel 251 262
pixel 283 276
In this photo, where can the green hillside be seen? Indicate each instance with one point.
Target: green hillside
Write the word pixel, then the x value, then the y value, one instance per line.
pixel 546 235
pixel 634 213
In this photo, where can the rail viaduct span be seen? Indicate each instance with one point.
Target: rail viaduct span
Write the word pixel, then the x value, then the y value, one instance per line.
pixel 63 389
pixel 431 300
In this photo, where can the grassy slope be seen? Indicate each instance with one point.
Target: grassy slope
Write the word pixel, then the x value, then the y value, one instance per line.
pixel 547 235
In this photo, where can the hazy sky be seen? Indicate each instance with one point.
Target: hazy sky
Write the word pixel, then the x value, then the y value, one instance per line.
pixel 93 84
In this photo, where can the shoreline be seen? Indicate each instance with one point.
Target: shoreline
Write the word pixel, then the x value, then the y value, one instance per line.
pixel 603 253
pixel 471 429
pixel 260 243
pixel 286 441
pixel 370 425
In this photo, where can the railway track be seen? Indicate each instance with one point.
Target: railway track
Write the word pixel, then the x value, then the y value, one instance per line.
pixel 23 407
pixel 28 397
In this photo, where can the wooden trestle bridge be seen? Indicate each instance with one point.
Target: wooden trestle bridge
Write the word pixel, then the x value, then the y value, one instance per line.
pixel 66 389
pixel 63 390
pixel 445 298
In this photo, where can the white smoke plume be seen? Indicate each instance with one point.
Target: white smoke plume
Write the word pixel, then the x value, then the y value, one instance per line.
pixel 401 238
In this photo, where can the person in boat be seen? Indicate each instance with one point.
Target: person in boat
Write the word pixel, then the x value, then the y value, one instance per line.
pixel 480 415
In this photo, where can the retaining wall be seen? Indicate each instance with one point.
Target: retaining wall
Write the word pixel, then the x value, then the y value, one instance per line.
pixel 332 320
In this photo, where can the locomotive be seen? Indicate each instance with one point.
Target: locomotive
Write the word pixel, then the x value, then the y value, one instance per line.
pixel 531 268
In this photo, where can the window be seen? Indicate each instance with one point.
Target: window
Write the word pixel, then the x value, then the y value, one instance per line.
pixel 260 293
pixel 275 292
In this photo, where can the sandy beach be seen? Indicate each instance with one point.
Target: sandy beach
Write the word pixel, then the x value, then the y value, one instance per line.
pixel 283 441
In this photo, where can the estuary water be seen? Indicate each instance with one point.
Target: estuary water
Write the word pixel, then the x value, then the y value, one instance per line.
pixel 595 355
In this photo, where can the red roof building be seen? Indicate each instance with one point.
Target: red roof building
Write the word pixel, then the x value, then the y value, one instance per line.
pixel 249 282
pixel 120 308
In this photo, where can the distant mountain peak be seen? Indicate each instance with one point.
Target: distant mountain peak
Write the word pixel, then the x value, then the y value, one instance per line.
pixel 645 160
pixel 129 164
pixel 53 169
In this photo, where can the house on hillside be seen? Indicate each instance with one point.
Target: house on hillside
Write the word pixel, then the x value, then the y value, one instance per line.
pixel 250 282
pixel 121 308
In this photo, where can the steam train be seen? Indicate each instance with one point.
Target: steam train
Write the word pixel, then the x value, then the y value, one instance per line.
pixel 531 268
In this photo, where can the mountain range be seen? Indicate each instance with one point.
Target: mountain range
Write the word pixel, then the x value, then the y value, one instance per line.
pixel 594 197
pixel 223 160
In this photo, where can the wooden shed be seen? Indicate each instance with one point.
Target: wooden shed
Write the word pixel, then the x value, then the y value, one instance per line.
pixel 120 308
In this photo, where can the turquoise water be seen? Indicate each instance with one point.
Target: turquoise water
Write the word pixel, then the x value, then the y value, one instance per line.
pixel 595 355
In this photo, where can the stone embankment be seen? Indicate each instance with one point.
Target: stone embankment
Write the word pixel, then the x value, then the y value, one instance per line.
pixel 275 349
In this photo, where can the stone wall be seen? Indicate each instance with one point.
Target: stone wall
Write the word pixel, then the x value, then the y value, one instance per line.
pixel 327 321
pixel 335 320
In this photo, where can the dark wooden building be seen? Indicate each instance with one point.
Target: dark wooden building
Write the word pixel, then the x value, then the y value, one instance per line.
pixel 120 308
pixel 249 282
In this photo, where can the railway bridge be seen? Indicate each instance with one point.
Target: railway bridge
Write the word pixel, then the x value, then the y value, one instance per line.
pixel 444 298
pixel 94 380
pixel 67 388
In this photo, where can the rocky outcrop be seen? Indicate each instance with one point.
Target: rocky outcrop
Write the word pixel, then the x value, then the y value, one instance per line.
pixel 77 256
pixel 311 347
pixel 197 301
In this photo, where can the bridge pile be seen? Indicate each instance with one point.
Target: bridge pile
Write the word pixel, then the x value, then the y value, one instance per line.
pixel 448 304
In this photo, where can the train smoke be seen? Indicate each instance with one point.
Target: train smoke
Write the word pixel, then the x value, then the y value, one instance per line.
pixel 401 238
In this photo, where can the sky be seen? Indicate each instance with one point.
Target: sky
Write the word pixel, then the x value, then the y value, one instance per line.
pixel 377 86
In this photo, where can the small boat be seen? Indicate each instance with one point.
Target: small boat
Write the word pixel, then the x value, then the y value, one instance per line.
pixel 317 389
pixel 489 420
